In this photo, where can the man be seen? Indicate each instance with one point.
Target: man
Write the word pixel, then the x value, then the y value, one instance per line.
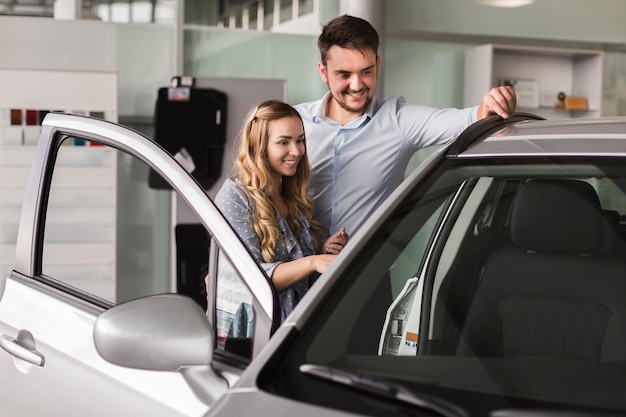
pixel 359 147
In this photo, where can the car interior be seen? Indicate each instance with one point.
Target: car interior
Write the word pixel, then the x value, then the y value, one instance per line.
pixel 532 260
pixel 556 291
pixel 507 285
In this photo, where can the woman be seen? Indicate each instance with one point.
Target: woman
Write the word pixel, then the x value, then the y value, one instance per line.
pixel 267 203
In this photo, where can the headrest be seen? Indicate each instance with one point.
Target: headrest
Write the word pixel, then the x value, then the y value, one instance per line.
pixel 612 218
pixel 557 216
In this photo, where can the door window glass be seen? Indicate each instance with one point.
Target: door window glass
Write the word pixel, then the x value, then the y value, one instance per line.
pixel 234 311
pixel 110 235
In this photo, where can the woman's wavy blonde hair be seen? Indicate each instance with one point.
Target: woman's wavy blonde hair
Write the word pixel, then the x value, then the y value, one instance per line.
pixel 253 170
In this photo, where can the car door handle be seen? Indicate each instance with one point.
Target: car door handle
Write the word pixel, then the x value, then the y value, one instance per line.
pixel 23 347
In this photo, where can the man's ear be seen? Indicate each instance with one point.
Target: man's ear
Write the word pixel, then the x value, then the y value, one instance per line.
pixel 323 72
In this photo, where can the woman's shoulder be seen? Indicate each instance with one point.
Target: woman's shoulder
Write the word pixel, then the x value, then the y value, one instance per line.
pixel 229 183
pixel 231 191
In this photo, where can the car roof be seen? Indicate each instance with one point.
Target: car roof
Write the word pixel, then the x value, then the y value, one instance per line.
pixel 528 135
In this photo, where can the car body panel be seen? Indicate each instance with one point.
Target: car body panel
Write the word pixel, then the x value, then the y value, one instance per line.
pixel 563 138
pixel 73 365
pixel 241 401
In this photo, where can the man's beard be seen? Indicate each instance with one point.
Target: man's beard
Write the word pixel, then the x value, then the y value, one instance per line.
pixel 360 110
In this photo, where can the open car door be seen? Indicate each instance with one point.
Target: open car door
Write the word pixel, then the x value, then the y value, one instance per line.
pixel 90 322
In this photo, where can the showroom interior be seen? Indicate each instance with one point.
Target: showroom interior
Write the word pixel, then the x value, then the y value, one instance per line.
pixel 108 59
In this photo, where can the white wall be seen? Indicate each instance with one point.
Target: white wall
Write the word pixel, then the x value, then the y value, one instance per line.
pixel 570 20
pixel 51 65
pixel 41 43
pixel 140 55
pixel 145 63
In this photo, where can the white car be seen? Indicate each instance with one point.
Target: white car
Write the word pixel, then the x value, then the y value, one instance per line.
pixel 491 283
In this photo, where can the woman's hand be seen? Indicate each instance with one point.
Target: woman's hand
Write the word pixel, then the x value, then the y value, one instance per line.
pixel 334 244
pixel 288 273
pixel 322 262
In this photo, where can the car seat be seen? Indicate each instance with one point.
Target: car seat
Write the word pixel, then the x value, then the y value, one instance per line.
pixel 613 242
pixel 553 293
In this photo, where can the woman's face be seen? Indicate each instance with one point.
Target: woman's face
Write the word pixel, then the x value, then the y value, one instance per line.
pixel 285 147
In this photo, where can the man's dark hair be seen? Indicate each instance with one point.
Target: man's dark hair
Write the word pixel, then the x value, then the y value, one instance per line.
pixel 348 32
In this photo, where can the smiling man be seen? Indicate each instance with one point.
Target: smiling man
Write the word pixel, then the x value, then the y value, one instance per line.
pixel 359 146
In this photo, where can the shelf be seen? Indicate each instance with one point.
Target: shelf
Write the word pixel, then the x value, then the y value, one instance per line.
pixel 81 218
pixel 574 72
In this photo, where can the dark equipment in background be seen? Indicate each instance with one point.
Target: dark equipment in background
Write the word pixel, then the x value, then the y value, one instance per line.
pixel 190 123
pixel 192 256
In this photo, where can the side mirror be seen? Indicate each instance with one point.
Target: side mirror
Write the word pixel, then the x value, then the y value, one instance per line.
pixel 167 332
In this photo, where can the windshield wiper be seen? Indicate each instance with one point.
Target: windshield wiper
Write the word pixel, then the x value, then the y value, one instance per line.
pixel 385 388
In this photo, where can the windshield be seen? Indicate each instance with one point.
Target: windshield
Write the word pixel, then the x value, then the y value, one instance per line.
pixel 493 284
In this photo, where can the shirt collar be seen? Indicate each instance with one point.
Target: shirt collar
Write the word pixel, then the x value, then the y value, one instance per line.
pixel 320 114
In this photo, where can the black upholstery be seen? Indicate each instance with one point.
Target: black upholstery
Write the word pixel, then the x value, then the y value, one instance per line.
pixel 613 242
pixel 553 294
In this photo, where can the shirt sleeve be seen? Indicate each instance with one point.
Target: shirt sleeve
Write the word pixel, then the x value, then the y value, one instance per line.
pixel 235 206
pixel 425 126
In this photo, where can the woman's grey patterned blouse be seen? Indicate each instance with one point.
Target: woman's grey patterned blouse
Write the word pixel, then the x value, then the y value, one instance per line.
pixel 237 208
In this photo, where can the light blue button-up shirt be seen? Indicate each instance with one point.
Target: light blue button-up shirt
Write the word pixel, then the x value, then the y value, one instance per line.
pixel 357 166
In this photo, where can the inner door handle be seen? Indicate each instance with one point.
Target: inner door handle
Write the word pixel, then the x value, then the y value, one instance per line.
pixel 23 347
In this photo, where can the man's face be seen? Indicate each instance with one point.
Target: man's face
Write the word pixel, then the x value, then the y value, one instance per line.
pixel 351 76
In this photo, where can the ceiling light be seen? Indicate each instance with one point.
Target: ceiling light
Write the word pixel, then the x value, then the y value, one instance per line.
pixel 505 3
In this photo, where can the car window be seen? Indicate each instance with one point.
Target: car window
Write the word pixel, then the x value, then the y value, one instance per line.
pixel 234 311
pixel 610 191
pixel 110 236
pixel 466 285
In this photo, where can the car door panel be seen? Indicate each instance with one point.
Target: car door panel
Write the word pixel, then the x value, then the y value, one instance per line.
pixel 59 309
pixel 72 370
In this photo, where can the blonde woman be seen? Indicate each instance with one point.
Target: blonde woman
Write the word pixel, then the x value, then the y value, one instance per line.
pixel 267 203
